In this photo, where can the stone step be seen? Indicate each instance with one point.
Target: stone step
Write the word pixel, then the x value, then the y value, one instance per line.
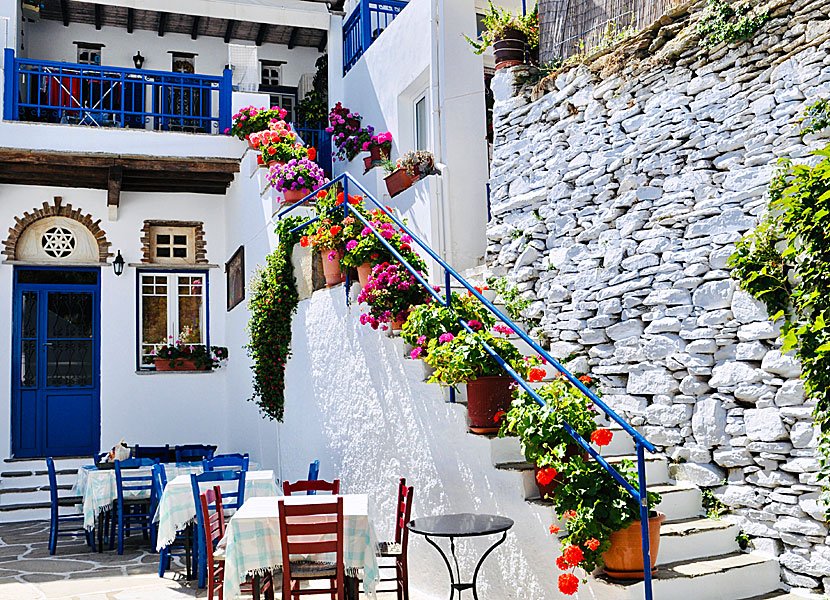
pixel 508 449
pixel 29 511
pixel 725 577
pixel 30 494
pixel 781 595
pixel 28 479
pixel 39 464
pixel 681 500
pixel 697 537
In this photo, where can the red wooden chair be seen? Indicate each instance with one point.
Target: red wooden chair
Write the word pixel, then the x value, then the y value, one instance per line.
pixel 305 486
pixel 397 549
pixel 325 522
pixel 214 531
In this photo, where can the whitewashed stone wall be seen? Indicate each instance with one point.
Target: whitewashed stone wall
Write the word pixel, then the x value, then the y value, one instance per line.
pixel 617 198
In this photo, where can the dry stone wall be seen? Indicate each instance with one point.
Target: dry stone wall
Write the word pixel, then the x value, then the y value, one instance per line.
pixel 618 192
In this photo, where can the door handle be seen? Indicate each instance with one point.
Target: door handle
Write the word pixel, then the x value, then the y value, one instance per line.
pixel 47 343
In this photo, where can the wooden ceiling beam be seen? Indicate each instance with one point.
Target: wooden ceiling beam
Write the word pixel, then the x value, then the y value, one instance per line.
pixel 260 35
pixel 99 16
pixel 321 47
pixel 130 162
pixel 114 180
pixel 229 30
pixel 162 23
pixel 130 20
pixel 292 38
pixel 194 29
pixel 65 12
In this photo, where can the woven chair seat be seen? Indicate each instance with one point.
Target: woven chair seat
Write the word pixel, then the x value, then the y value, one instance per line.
pixel 305 570
pixel 390 549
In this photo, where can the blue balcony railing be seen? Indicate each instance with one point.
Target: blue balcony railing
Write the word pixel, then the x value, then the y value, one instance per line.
pixel 56 92
pixel 364 25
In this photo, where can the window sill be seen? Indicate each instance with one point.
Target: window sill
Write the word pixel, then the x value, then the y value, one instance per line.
pixel 154 372
pixel 170 267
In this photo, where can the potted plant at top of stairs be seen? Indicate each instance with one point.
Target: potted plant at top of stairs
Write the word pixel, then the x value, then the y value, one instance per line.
pixel 252 119
pixel 391 293
pixel 379 147
pixel 296 178
pixel 541 432
pixel 278 144
pixel 462 359
pixel 186 356
pixel 509 34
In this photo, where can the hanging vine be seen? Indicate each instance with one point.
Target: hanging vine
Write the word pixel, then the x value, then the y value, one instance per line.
pixel 273 303
pixel 785 263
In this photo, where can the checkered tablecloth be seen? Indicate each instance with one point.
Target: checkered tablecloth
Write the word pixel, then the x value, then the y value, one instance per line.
pixel 252 541
pixel 178 508
pixel 97 487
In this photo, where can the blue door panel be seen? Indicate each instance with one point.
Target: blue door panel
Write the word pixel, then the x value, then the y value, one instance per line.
pixel 65 433
pixel 28 414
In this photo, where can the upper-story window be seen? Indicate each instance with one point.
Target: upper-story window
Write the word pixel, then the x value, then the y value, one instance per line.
pixel 183 62
pixel 270 73
pixel 173 245
pixel 420 121
pixel 88 53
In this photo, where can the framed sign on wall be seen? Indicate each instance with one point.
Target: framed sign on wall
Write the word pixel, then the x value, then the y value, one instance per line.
pixel 235 276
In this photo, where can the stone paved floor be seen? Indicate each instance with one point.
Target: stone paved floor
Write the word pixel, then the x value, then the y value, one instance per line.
pixel 27 572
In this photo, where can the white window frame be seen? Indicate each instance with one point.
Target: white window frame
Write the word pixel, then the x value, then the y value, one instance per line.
pixel 270 66
pixel 418 99
pixel 173 325
pixel 188 231
pixel 92 50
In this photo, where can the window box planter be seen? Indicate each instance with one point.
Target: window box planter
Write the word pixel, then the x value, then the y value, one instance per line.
pixel 510 50
pixel 487 396
pixel 397 181
pixel 180 364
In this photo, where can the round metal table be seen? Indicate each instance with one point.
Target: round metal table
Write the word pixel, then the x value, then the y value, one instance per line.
pixel 462 525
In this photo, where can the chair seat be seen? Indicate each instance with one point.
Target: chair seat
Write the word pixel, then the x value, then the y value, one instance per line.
pixel 308 570
pixel 70 501
pixel 390 549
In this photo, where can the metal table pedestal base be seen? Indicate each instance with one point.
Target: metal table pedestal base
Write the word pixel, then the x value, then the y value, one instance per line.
pixel 463 586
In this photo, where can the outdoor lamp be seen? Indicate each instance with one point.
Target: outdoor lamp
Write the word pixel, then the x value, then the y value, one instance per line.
pixel 118 264
pixel 138 60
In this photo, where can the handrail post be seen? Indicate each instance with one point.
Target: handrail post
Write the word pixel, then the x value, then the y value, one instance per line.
pixel 225 95
pixel 10 72
pixel 646 542
pixel 448 299
pixel 365 25
pixel 346 214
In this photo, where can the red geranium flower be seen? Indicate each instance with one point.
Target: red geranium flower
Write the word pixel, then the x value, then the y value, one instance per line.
pixel 536 374
pixel 312 153
pixel 322 194
pixel 339 199
pixel 335 230
pixel 569 514
pixel 554 530
pixel 498 416
pixel 562 564
pixel 568 584
pixel 355 200
pixel 586 380
pixel 573 554
pixel 602 436
pixel 259 160
pixel 304 241
pixel 592 544
pixel 545 476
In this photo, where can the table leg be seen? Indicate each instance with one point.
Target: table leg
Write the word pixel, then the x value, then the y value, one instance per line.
pixel 446 562
pixel 481 561
pixel 256 587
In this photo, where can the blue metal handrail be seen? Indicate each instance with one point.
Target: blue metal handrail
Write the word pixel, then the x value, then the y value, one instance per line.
pixel 640 492
pixel 58 92
pixel 364 25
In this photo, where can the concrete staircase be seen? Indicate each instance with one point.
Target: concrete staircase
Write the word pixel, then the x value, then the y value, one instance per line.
pixel 24 486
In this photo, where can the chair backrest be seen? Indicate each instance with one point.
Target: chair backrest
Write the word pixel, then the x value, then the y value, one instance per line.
pixel 159 480
pixel 404 513
pixel 238 462
pixel 214 523
pixel 159 453
pixel 53 482
pixel 332 487
pixel 134 484
pixel 324 522
pixel 194 452
pixel 237 497
pixel 313 475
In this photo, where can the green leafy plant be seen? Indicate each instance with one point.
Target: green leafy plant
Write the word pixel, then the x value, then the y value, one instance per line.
pixel 432 320
pixel 202 356
pixel 743 540
pixel 816 117
pixel 312 109
pixel 392 290
pixel 252 119
pixel 723 22
pixel 420 163
pixel 498 21
pixel 273 302
pixel 514 302
pixel 362 246
pixel 715 509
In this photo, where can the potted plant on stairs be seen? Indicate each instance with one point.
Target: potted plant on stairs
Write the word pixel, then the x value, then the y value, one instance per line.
pixel 296 178
pixel 390 294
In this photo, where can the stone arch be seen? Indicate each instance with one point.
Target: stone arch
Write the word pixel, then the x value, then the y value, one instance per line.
pixel 57 209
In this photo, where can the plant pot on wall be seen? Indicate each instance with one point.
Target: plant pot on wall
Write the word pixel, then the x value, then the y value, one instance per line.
pixel 397 181
pixel 486 396
pixel 293 196
pixel 181 364
pixel 510 50
pixel 624 559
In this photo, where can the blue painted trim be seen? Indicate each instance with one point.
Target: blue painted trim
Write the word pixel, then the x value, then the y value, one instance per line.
pixel 225 95
pixel 364 25
pixel 10 71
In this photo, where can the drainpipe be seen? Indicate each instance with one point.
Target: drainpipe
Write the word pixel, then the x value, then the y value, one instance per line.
pixel 443 192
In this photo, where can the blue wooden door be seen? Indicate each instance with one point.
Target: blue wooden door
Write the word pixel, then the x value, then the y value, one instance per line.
pixel 56 362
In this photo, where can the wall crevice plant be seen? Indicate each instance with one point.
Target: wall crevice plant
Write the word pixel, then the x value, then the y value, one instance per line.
pixel 725 22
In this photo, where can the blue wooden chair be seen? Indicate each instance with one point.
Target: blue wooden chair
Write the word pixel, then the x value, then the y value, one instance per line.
pixel 238 462
pixel 194 452
pixel 182 545
pixel 313 475
pixel 131 510
pixel 158 453
pixel 236 499
pixel 56 519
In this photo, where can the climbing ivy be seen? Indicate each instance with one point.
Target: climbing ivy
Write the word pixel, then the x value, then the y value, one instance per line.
pixel 816 117
pixel 722 22
pixel 273 303
pixel 786 264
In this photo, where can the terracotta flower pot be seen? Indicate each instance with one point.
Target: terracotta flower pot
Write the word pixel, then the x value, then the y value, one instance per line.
pixel 624 559
pixel 377 155
pixel 367 163
pixel 162 364
pixel 363 272
pixel 292 196
pixel 397 181
pixel 331 268
pixel 251 144
pixel 510 50
pixel 271 163
pixel 397 324
pixel 486 396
